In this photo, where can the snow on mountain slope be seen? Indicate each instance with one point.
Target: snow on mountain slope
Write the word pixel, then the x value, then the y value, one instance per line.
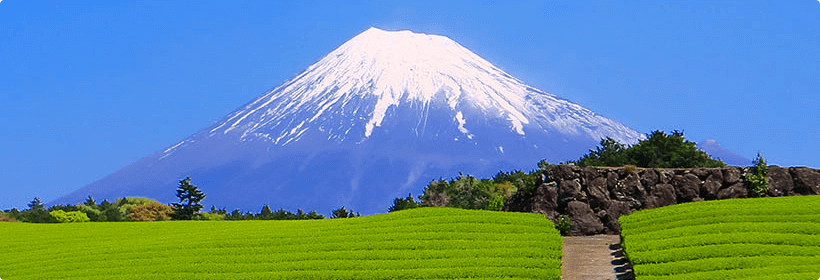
pixel 353 87
pixel 411 107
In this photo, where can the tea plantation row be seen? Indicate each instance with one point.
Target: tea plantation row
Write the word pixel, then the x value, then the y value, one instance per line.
pixel 762 238
pixel 425 243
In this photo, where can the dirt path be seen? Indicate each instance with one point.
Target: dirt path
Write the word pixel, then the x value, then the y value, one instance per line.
pixel 594 258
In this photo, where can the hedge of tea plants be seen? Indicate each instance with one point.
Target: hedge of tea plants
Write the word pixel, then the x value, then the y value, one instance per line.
pixel 423 243
pixel 760 238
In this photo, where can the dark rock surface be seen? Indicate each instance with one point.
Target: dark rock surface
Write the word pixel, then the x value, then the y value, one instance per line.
pixel 594 198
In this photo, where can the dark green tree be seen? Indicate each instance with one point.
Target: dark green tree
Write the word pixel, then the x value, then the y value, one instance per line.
pixel 609 153
pixel 36 204
pixel 757 181
pixel 189 200
pixel 36 213
pixel 403 203
pixel 342 213
pixel 659 150
pixel 90 202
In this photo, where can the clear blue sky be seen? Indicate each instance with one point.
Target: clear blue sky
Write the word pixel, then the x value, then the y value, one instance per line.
pixel 88 87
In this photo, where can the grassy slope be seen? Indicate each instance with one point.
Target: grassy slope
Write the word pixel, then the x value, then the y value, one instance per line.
pixel 426 243
pixel 762 238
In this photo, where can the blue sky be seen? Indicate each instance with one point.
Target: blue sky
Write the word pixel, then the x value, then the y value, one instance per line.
pixel 88 87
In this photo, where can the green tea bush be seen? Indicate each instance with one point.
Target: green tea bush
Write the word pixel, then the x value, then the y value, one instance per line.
pixel 421 243
pixel 725 239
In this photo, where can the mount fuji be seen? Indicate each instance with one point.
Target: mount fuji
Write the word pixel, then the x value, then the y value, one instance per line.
pixel 377 118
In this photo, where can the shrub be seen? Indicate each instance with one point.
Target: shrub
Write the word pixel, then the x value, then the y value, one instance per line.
pixel 563 225
pixel 6 218
pixel 208 216
pixel 69 217
pixel 496 203
pixel 152 211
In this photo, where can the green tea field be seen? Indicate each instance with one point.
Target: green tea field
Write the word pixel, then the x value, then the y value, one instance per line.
pixel 761 238
pixel 424 243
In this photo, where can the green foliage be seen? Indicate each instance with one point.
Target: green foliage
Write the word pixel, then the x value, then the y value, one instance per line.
pixel 343 213
pixel 208 216
pixel 69 217
pixel 151 211
pixel 609 153
pixel 5 217
pixel 110 212
pixel 403 203
pixel 36 213
pixel 496 203
pixel 725 239
pixel 36 205
pixel 757 181
pixel 422 243
pixel 189 198
pixel 467 192
pixel 659 150
pixel 564 224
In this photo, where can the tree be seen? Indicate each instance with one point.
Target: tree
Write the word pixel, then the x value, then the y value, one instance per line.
pixel 90 202
pixel 659 150
pixel 36 204
pixel 609 153
pixel 189 198
pixel 265 214
pixel 757 181
pixel 342 213
pixel 403 203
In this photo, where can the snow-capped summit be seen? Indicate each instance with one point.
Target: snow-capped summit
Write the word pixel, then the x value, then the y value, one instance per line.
pixel 355 85
pixel 378 117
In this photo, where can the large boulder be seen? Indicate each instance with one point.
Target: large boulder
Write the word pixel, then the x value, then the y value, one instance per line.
pixel 687 187
pixel 629 189
pixel 806 180
pixel 649 177
pixel 597 193
pixel 584 221
pixel 615 210
pixel 661 195
pixel 700 172
pixel 569 190
pixel 543 200
pixel 709 189
pixel 731 175
pixel 780 181
pixel 738 190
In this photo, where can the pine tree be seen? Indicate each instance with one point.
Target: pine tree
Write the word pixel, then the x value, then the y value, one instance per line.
pixel 36 204
pixel 189 198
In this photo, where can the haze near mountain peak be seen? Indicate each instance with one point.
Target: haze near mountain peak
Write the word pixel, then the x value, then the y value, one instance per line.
pixel 380 116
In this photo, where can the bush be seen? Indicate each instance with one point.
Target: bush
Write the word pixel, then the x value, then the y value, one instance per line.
pixel 496 203
pixel 6 218
pixel 69 217
pixel 563 225
pixel 208 216
pixel 757 181
pixel 151 211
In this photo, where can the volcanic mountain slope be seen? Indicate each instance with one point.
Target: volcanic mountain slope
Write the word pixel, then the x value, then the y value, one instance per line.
pixel 377 118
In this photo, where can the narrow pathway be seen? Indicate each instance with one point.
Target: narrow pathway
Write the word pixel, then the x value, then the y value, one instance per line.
pixel 594 258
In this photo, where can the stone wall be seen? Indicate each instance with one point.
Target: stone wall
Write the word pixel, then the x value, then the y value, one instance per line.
pixel 594 197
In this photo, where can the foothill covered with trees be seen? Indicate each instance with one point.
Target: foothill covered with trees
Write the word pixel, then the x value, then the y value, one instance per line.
pixel 658 150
